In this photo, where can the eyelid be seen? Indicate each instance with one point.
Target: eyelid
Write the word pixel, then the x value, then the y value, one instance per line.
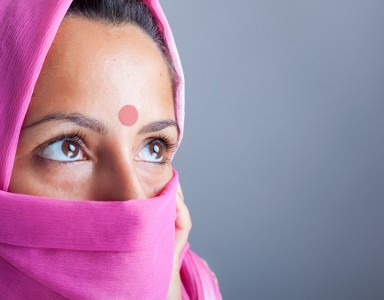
pixel 73 136
pixel 168 142
pixel 76 136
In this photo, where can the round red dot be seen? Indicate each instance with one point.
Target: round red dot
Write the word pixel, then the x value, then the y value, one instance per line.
pixel 128 115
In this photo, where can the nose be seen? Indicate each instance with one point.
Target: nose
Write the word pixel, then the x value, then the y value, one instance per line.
pixel 119 180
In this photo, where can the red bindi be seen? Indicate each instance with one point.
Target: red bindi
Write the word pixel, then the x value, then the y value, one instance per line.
pixel 128 115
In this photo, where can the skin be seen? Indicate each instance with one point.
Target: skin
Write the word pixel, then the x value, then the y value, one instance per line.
pixel 94 70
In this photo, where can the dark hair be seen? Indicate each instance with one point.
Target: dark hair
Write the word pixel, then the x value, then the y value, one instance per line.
pixel 121 12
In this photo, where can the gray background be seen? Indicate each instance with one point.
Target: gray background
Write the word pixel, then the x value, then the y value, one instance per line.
pixel 282 161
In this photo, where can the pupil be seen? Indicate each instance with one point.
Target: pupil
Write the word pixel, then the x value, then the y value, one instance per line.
pixel 70 149
pixel 157 151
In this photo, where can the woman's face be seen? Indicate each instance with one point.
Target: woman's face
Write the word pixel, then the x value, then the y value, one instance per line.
pixel 90 73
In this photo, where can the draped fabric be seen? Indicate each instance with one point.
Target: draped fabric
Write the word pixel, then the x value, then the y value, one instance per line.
pixel 70 249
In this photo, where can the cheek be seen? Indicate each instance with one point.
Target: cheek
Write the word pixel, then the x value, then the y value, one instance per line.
pixel 81 180
pixel 51 181
pixel 155 178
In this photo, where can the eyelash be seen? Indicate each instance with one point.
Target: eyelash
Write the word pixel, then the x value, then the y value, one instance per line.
pixel 168 142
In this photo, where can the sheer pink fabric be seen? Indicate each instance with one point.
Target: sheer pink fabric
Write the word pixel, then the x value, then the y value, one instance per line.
pixel 56 249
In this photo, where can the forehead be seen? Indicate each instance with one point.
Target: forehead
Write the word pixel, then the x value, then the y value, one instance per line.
pixel 106 65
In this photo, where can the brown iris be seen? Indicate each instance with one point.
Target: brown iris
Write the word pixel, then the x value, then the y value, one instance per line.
pixel 156 150
pixel 70 149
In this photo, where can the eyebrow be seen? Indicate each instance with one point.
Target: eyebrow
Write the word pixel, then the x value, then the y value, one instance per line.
pixel 97 125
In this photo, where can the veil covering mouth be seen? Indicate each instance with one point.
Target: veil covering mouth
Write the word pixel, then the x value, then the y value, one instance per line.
pixel 59 249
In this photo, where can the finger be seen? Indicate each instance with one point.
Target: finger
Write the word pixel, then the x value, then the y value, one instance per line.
pixel 183 220
pixel 183 224
pixel 183 227
pixel 180 194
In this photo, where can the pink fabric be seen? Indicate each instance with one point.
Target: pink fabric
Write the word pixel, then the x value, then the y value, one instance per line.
pixel 56 249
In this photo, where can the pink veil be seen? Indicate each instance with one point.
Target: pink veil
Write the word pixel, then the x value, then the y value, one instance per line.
pixel 40 256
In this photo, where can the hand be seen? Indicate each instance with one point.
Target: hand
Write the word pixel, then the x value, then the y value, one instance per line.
pixel 183 226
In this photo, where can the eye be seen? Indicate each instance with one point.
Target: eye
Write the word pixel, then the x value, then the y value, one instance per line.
pixel 64 149
pixel 153 152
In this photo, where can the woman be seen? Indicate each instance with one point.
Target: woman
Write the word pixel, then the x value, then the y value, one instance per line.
pixel 92 112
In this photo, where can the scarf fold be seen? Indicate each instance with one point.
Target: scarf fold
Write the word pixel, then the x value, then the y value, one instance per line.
pixel 80 249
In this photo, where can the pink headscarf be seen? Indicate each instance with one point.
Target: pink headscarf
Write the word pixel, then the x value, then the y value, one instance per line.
pixel 54 248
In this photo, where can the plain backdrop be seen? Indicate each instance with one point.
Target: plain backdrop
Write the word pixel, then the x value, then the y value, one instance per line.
pixel 282 160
